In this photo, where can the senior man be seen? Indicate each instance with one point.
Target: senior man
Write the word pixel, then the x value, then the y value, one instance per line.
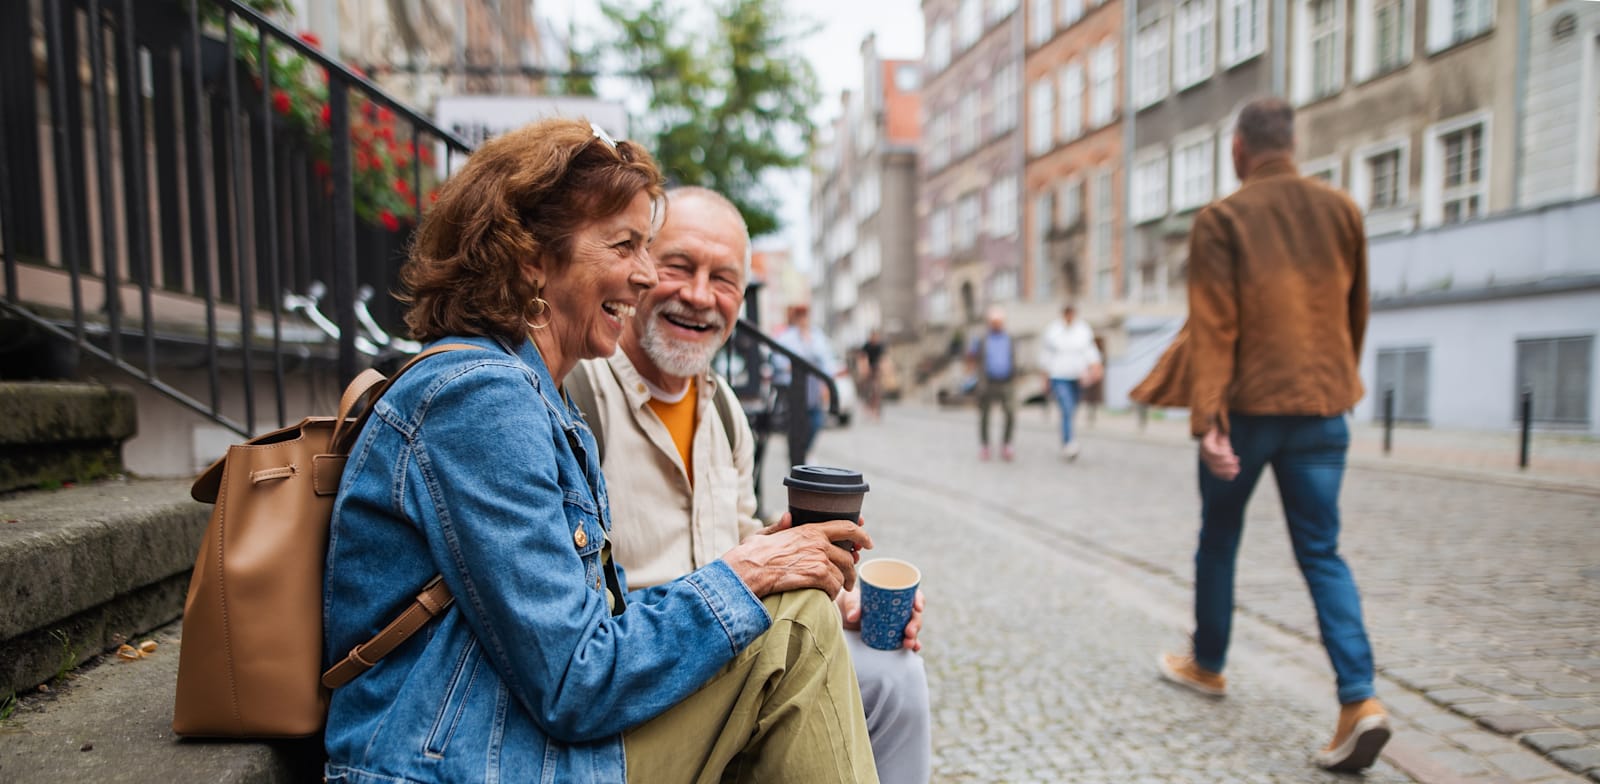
pixel 678 453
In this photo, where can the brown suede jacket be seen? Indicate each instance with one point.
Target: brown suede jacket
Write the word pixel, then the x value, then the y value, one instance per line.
pixel 1277 305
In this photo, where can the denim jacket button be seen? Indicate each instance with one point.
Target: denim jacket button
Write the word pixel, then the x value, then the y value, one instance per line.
pixel 580 538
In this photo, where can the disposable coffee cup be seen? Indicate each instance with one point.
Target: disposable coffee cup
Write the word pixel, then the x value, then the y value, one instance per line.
pixel 888 590
pixel 818 493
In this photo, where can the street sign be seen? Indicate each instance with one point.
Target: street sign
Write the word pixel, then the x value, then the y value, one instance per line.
pixel 478 118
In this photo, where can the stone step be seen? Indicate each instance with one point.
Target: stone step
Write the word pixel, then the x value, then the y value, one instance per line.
pixel 52 433
pixel 112 722
pixel 84 568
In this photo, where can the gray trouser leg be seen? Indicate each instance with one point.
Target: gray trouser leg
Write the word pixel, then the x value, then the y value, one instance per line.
pixel 894 691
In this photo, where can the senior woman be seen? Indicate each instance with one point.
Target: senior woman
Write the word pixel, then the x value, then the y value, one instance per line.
pixel 474 466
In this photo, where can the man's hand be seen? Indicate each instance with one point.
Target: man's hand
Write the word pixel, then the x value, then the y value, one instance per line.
pixel 850 608
pixel 1216 452
pixel 789 558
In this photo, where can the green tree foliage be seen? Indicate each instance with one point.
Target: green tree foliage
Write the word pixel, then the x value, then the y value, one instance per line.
pixel 722 108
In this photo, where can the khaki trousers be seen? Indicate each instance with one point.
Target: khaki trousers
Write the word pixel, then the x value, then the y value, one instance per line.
pixel 786 709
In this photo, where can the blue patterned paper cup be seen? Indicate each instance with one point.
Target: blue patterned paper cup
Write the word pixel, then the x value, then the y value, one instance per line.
pixel 888 588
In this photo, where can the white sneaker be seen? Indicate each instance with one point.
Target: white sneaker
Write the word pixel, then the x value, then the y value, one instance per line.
pixel 1069 451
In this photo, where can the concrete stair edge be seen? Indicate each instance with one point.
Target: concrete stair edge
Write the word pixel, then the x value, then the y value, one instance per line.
pixel 57 432
pixel 85 568
pixel 112 722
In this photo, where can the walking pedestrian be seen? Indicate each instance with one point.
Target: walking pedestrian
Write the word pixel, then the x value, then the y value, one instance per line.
pixel 1267 365
pixel 993 357
pixel 872 379
pixel 1071 362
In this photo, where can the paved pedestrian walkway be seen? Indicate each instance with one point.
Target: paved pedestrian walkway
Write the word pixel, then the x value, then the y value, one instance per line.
pixel 1053 586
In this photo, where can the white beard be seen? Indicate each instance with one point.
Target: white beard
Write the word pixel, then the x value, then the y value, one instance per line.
pixel 682 358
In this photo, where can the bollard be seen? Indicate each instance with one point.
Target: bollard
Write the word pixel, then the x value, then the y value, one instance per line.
pixel 1527 426
pixel 1388 420
pixel 1144 412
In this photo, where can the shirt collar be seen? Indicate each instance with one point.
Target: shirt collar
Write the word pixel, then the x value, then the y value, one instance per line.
pixel 1275 166
pixel 633 383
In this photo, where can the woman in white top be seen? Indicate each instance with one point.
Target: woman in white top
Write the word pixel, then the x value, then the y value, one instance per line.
pixel 1071 361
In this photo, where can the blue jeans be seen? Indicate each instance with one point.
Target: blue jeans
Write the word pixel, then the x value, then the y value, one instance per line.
pixel 1307 455
pixel 1066 391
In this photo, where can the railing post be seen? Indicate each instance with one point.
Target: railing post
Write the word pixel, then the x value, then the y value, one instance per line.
pixel 344 225
pixel 135 186
pixel 1388 420
pixel 1527 427
pixel 796 400
pixel 61 84
pixel 101 111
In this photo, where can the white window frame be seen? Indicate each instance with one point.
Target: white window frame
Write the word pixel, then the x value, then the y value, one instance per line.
pixel 1103 232
pixel 1042 207
pixel 1183 199
pixel 1069 201
pixel 969 24
pixel 939 47
pixel 1151 195
pixel 1361 189
pixel 1442 33
pixel 1151 69
pixel 1333 164
pixel 1433 195
pixel 1365 65
pixel 1305 58
pixel 969 130
pixel 1041 21
pixel 1251 47
pixel 1007 89
pixel 1070 12
pixel 1103 84
pixel 1069 106
pixel 1041 116
pixel 939 232
pixel 1003 207
pixel 968 222
pixel 1194 43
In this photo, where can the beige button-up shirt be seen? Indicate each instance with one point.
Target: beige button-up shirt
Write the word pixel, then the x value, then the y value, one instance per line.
pixel 662 527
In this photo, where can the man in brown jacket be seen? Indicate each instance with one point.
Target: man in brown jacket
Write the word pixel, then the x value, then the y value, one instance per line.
pixel 1267 366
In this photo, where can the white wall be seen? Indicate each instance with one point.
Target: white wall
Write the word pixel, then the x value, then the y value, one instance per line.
pixel 1472 357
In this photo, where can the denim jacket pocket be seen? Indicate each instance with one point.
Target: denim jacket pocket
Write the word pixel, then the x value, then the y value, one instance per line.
pixel 456 696
pixel 588 537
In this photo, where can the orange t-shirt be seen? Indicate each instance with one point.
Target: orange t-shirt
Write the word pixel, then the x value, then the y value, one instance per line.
pixel 679 419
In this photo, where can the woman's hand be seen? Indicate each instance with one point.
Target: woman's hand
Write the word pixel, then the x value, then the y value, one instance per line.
pixel 790 558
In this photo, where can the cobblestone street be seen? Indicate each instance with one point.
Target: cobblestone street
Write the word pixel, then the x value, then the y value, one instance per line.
pixel 1053 586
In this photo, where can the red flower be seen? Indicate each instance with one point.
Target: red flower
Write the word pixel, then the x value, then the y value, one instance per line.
pixel 411 200
pixel 327 114
pixel 433 197
pixel 322 169
pixel 401 186
pixel 280 102
pixel 390 222
pixel 311 38
pixel 384 115
pixel 425 152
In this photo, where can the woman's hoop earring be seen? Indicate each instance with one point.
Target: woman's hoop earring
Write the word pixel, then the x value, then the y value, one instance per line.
pixel 537 308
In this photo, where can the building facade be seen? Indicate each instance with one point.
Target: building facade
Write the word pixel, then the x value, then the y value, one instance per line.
pixel 968 204
pixel 863 206
pixel 1074 179
pixel 1196 62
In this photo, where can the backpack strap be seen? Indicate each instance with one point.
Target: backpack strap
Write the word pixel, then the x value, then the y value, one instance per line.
pixel 435 597
pixel 432 602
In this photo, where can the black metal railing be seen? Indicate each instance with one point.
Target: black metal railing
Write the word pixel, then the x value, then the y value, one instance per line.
pixel 198 180
pixel 747 362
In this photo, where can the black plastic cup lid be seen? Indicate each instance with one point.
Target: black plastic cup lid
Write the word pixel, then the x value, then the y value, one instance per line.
pixel 825 479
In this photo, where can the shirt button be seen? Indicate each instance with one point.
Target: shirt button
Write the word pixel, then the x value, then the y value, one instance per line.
pixel 580 538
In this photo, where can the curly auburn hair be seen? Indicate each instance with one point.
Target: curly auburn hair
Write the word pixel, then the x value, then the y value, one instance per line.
pixel 520 196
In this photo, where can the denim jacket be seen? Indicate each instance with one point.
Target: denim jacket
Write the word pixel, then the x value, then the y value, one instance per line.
pixel 474 466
